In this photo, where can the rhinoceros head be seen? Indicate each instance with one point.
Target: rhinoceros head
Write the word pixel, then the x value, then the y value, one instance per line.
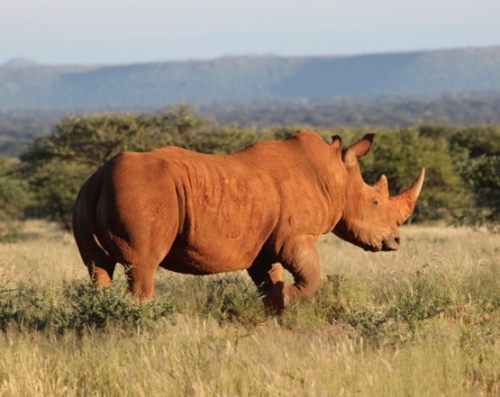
pixel 371 218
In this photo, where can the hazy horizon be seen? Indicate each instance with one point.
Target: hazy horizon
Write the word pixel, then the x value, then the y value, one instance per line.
pixel 129 31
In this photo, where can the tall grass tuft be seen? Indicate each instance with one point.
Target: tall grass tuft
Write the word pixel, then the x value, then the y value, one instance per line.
pixel 225 298
pixel 78 306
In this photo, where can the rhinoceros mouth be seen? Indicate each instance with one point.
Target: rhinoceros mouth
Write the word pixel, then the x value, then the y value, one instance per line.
pixel 391 244
pixel 360 243
pixel 370 248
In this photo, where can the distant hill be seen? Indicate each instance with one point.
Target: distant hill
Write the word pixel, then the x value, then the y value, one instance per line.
pixel 249 78
pixel 20 63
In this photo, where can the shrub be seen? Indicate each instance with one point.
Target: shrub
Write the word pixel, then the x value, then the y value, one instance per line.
pixel 79 306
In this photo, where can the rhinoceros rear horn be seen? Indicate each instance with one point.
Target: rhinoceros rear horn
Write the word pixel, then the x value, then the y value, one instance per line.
pixel 382 186
pixel 407 200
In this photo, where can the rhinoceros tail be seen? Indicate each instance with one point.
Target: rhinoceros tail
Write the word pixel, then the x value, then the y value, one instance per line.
pixel 95 256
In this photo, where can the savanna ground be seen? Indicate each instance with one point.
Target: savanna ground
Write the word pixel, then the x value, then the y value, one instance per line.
pixel 424 321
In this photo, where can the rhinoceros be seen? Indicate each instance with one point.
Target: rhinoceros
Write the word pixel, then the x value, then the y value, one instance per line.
pixel 261 209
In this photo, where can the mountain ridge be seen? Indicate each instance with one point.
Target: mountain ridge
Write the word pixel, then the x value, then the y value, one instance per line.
pixel 235 78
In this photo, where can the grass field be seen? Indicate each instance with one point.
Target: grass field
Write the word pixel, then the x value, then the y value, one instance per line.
pixel 423 321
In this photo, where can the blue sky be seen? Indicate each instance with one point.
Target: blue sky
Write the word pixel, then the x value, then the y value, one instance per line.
pixel 131 31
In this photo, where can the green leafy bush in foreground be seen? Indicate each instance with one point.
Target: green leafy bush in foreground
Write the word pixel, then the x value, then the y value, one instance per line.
pixel 395 310
pixel 79 307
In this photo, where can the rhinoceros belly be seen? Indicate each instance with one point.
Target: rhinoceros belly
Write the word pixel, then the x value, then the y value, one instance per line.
pixel 211 260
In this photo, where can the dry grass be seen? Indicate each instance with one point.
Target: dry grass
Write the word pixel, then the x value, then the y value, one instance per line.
pixel 423 321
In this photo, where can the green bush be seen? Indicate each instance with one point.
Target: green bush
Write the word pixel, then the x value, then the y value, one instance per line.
pixel 79 307
pixel 477 155
pixel 14 198
pixel 226 298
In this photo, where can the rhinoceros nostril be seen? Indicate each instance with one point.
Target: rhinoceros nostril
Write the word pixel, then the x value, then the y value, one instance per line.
pixel 391 243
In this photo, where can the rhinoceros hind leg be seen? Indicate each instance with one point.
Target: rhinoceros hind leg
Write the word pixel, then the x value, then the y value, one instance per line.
pixel 100 266
pixel 141 281
pixel 102 274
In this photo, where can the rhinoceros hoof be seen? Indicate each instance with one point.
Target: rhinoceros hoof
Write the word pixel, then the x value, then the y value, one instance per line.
pixel 276 273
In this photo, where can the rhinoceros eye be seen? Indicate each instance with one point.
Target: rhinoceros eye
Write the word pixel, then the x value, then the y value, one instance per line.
pixel 376 203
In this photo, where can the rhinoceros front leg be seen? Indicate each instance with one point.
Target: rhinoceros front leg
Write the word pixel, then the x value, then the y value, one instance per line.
pixel 264 273
pixel 300 257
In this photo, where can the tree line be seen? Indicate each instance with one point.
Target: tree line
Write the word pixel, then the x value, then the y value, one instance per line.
pixel 19 127
pixel 462 162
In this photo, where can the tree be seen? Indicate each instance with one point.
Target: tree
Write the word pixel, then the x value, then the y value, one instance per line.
pixel 477 155
pixel 484 177
pixel 461 163
pixel 14 197
pixel 57 165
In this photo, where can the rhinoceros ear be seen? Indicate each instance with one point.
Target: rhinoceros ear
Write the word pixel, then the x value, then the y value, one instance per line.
pixel 358 149
pixel 336 142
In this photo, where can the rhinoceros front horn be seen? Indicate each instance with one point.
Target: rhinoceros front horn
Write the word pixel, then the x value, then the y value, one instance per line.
pixel 407 200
